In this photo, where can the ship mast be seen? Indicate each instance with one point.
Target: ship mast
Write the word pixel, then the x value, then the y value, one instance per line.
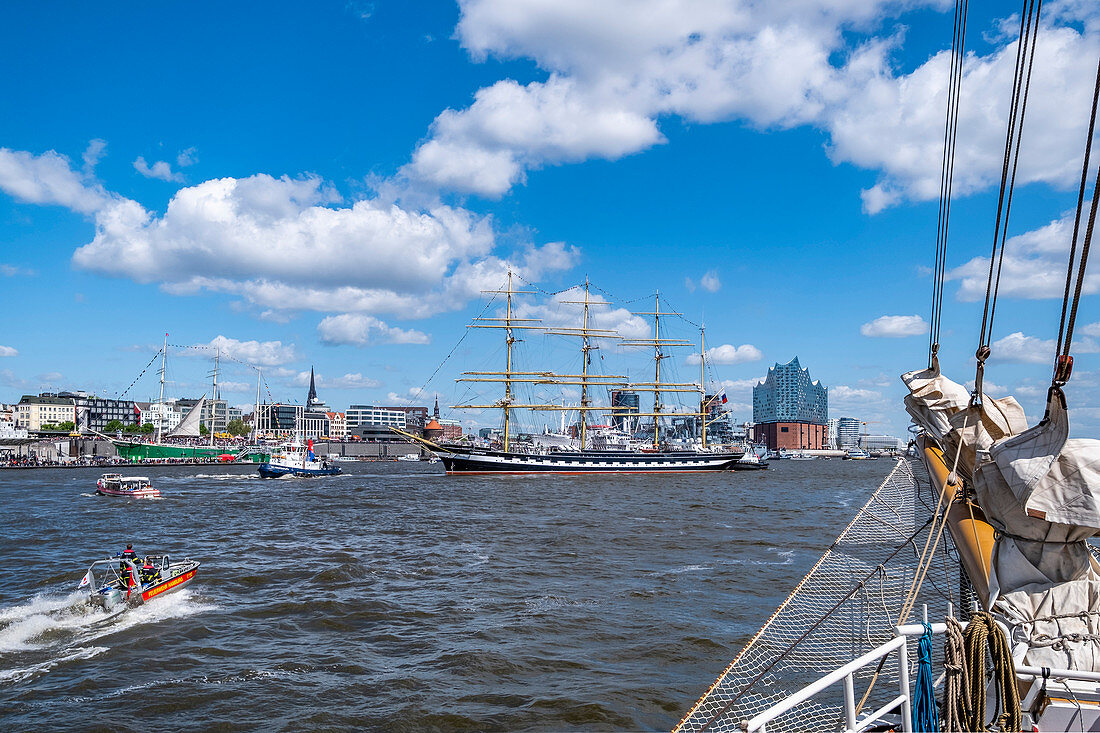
pixel 587 380
pixel 510 377
pixel 214 392
pixel 657 386
pixel 702 382
pixel 256 414
pixel 160 413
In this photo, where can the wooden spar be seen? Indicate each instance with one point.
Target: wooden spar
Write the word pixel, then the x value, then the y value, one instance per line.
pixel 431 445
pixel 970 530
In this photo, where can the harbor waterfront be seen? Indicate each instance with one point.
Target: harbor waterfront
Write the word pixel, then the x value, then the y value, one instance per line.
pixel 393 597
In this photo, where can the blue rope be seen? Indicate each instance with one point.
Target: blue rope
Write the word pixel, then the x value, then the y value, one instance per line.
pixel 925 716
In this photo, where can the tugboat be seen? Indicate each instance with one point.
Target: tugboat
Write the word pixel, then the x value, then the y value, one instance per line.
pixel 295 459
pixel 115 582
pixel 137 487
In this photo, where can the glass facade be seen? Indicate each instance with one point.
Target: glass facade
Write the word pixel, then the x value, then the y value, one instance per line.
pixel 788 394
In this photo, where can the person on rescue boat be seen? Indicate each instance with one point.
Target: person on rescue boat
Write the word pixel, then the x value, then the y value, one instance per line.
pixel 149 574
pixel 129 554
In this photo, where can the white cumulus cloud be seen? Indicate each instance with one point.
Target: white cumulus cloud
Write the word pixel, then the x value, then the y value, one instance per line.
pixel 49 179
pixel 1034 266
pixel 8 351
pixel 359 330
pixel 894 327
pixel 844 393
pixel 729 354
pixel 614 68
pixel 160 169
pixel 259 353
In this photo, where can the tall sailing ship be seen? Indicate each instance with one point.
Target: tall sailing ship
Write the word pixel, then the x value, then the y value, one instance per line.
pixel 598 451
pixel 188 428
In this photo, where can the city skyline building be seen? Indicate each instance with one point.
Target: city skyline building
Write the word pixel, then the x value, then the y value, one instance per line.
pixel 790 408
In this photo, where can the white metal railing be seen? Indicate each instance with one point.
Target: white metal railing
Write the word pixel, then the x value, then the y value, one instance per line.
pixel 845 674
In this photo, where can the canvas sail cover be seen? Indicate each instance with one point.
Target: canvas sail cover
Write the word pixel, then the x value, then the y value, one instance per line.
pixel 189 425
pixel 1043 490
pixel 942 407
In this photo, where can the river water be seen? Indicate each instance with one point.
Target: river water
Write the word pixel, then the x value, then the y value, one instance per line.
pixel 395 598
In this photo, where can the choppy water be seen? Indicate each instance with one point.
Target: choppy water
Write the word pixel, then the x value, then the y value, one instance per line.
pixel 395 598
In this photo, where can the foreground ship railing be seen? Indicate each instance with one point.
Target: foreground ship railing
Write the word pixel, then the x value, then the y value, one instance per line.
pixel 889 712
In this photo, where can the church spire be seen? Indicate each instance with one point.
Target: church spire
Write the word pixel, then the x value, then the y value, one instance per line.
pixel 312 389
pixel 436 413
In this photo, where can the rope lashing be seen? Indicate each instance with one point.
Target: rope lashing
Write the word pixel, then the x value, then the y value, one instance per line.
pixel 984 635
pixel 925 716
pixel 957 710
pixel 999 533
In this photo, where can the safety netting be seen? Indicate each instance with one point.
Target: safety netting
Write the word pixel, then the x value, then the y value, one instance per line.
pixel 845 606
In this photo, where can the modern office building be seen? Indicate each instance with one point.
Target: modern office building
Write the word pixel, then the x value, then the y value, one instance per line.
pixel 789 409
pixel 625 407
pixel 880 443
pixel 415 418
pixel 362 415
pixel 847 432
pixel 95 412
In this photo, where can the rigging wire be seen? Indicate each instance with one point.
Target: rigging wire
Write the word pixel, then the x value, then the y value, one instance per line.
pixel 1025 56
pixel 950 135
pixel 1063 363
pixel 142 374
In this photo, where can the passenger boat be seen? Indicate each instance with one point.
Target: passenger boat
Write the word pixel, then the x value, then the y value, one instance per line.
pixel 977 543
pixel 856 454
pixel 115 582
pixel 136 487
pixel 295 459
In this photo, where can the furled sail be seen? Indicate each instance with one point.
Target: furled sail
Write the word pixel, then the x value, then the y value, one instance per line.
pixel 189 425
pixel 1043 490
pixel 943 408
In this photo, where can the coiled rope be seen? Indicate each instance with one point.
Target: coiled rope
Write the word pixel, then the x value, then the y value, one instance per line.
pixel 925 716
pixel 957 710
pixel 984 635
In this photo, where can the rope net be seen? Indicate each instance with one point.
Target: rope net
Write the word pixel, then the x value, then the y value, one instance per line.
pixel 845 606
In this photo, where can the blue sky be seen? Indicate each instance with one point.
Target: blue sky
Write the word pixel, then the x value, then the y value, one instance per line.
pixel 332 184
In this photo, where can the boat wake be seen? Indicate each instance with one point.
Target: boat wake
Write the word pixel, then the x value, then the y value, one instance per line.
pixel 52 630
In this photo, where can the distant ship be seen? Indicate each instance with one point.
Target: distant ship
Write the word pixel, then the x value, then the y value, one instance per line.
pixel 189 427
pixel 603 455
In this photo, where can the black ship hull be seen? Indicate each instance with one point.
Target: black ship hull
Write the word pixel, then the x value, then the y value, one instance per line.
pixel 474 461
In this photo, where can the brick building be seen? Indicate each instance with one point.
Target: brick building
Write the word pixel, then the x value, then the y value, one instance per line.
pixel 790 409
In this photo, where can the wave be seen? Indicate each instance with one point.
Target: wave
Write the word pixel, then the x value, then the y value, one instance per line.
pixel 60 628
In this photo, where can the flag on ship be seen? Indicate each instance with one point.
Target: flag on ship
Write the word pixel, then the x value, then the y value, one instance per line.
pixel 86 580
